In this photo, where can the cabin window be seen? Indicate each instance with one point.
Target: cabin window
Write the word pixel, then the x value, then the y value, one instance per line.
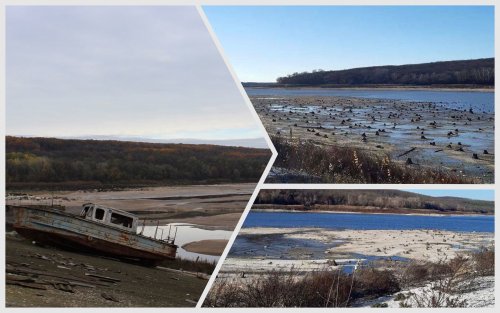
pixel 99 214
pixel 121 220
pixel 84 211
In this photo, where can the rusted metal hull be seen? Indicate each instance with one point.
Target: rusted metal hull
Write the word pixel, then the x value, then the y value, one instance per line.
pixel 69 231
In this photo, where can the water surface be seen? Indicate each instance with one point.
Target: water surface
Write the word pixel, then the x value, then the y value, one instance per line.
pixel 478 223
pixel 186 233
pixel 462 100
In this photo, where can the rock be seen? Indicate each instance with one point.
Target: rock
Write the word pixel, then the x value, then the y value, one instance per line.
pixel 109 297
pixel 409 161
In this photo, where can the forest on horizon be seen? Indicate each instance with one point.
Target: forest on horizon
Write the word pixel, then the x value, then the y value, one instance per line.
pixel 382 199
pixel 71 163
pixel 478 72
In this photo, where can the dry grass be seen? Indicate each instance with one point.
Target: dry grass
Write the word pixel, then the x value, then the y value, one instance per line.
pixel 336 164
pixel 190 265
pixel 446 281
pixel 322 288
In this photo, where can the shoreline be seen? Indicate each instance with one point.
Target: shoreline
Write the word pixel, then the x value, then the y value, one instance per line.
pixel 417 88
pixel 411 244
pixel 354 212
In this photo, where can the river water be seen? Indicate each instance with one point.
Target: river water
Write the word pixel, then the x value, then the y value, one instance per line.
pixel 186 233
pixel 477 223
pixel 462 100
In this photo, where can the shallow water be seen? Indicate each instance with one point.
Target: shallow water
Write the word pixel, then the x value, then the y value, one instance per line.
pixel 277 247
pixel 462 100
pixel 186 233
pixel 483 223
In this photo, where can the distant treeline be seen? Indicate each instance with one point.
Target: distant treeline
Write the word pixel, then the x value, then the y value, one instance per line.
pixel 383 199
pixel 467 72
pixel 42 161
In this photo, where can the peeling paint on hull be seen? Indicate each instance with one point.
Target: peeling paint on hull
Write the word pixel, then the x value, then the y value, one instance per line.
pixel 59 228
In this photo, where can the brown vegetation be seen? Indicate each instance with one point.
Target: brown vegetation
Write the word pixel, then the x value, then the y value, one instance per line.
pixel 327 288
pixel 464 72
pixel 338 164
pixel 58 163
pixel 335 288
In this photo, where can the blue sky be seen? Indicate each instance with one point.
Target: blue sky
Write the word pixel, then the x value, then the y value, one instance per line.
pixel 265 42
pixel 119 72
pixel 468 193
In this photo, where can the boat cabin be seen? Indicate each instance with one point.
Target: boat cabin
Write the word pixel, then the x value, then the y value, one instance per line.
pixel 109 216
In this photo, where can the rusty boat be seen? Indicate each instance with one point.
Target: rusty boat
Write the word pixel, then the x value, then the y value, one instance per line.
pixel 107 231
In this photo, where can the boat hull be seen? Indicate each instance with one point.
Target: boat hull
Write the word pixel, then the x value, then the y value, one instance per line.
pixel 72 232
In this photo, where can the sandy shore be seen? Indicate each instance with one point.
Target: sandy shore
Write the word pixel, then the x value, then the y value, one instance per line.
pixel 209 205
pixel 430 245
pixel 210 247
pixel 442 137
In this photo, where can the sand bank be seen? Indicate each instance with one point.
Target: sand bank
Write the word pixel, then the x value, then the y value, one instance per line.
pixel 210 247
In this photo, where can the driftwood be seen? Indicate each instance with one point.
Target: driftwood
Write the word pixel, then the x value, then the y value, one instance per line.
pixel 25 284
pixel 69 279
pixel 105 278
pixel 405 153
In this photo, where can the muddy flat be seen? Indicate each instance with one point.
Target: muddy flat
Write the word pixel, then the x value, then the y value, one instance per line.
pixel 432 135
pixel 218 206
pixel 48 277
pixel 262 249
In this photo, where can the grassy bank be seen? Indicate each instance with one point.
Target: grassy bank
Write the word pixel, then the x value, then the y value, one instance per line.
pixel 337 164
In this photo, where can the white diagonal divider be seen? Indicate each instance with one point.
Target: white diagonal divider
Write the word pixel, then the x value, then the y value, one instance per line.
pixel 264 174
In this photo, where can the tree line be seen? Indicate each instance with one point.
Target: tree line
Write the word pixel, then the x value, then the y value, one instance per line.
pixel 51 160
pixel 466 72
pixel 385 199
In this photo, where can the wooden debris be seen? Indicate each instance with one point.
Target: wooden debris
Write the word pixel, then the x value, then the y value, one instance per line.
pixel 24 284
pixel 104 278
pixel 405 153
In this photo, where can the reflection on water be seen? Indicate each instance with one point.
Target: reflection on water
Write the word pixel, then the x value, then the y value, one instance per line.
pixel 186 233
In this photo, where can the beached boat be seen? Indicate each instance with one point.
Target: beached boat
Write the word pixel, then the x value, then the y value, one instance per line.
pixel 105 230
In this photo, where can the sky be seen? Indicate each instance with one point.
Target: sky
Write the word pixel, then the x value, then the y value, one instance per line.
pixel 119 72
pixel 266 42
pixel 467 193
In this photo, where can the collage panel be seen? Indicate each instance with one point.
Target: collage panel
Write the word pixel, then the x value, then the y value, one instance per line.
pixel 362 248
pixel 249 156
pixel 131 155
pixel 368 94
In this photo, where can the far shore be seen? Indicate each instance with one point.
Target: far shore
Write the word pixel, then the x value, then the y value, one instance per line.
pixel 372 211
pixel 420 88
